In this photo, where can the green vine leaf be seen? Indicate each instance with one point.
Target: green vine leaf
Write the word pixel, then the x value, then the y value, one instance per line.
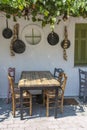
pixel 49 10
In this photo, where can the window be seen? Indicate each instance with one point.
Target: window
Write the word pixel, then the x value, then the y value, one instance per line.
pixel 80 45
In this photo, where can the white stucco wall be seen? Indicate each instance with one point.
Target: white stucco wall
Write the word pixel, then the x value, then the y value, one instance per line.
pixel 41 56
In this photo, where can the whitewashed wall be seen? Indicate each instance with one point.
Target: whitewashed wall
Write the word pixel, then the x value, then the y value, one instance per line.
pixel 41 56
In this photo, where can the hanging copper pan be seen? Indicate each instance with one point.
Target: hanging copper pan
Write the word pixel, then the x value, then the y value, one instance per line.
pixel 65 44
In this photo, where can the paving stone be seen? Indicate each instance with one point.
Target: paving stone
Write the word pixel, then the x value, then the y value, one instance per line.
pixel 73 118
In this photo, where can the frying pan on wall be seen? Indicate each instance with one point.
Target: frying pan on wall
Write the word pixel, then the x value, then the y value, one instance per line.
pixel 7 32
pixel 18 45
pixel 65 44
pixel 53 38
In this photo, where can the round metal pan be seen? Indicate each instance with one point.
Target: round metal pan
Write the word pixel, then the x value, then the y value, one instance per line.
pixel 19 46
pixel 7 32
pixel 65 44
pixel 53 38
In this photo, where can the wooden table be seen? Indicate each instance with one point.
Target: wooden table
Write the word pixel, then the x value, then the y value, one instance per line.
pixel 37 80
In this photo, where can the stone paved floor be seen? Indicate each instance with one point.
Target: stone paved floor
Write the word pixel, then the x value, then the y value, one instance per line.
pixel 73 118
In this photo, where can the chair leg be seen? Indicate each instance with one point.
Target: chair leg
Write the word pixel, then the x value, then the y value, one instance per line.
pixel 30 105
pixel 44 101
pixel 47 106
pixel 61 106
pixel 84 98
pixel 13 108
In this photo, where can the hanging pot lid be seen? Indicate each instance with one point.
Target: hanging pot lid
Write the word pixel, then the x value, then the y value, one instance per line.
pixel 7 32
pixel 53 38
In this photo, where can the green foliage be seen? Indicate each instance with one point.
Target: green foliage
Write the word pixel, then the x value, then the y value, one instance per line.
pixel 44 11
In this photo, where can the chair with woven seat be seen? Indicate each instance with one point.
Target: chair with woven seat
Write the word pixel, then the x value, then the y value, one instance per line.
pixel 11 72
pixel 50 95
pixel 27 98
pixel 57 75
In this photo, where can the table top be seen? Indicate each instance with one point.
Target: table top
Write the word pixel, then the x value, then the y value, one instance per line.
pixel 37 79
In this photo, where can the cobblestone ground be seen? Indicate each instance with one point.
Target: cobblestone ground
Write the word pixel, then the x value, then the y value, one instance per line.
pixel 73 118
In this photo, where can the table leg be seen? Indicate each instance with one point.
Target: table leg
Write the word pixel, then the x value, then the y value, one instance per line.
pixel 56 103
pixel 21 103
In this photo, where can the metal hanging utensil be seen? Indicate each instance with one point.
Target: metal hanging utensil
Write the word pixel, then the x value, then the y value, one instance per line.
pixel 18 45
pixel 65 44
pixel 53 38
pixel 7 32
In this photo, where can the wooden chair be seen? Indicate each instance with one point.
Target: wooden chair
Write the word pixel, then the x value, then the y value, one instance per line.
pixel 83 84
pixel 27 98
pixel 57 75
pixel 11 72
pixel 50 95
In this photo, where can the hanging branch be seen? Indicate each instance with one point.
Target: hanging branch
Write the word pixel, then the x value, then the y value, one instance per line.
pixel 65 44
pixel 13 39
pixel 64 54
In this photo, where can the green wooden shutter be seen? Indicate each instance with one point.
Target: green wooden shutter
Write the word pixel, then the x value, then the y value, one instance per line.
pixel 80 44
